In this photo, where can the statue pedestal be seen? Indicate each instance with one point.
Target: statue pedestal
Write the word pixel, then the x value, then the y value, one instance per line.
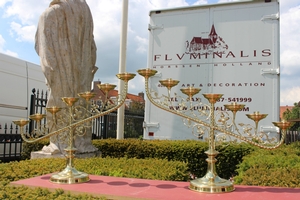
pixel 41 154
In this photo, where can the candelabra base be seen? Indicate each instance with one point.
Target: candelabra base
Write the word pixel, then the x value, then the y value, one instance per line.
pixel 69 176
pixel 218 185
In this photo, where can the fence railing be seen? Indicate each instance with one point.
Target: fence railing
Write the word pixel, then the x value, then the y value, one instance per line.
pixel 106 126
pixel 292 136
pixel 10 143
pixel 38 103
pixel 102 127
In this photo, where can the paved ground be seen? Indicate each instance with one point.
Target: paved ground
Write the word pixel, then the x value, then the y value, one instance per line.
pixel 130 188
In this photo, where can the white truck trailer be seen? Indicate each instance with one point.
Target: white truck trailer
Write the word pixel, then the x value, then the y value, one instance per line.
pixel 227 48
pixel 18 78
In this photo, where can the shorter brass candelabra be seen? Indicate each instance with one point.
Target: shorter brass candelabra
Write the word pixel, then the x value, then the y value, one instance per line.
pixel 218 126
pixel 73 121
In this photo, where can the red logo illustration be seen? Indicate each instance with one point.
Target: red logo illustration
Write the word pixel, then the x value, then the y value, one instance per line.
pixel 214 43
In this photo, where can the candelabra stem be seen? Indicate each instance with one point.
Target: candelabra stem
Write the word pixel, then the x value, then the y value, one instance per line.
pixel 211 129
pixel 256 127
pixel 70 175
pixel 211 182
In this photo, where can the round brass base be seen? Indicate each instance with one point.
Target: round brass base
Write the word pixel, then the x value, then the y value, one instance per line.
pixel 69 176
pixel 218 186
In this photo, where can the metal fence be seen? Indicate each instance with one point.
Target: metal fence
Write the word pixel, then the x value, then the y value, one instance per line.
pixel 102 128
pixel 10 143
pixel 38 102
pixel 292 136
pixel 106 126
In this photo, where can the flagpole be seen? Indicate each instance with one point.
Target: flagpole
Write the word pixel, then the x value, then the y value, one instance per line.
pixel 122 66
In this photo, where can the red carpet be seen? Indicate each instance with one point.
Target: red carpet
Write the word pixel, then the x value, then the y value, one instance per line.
pixel 130 188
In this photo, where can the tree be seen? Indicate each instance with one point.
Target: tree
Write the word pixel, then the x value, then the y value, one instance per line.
pixel 137 107
pixel 134 118
pixel 293 114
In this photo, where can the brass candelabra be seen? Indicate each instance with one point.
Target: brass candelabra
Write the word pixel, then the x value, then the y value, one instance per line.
pixel 219 126
pixel 73 121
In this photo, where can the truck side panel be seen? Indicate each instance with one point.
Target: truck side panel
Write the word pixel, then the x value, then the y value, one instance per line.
pixel 18 78
pixel 232 49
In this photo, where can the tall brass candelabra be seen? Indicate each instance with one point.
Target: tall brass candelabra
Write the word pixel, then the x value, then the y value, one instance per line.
pixel 221 125
pixel 73 121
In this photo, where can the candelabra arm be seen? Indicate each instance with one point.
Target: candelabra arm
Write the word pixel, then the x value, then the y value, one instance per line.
pixel 212 127
pixel 253 142
pixel 235 126
pixel 75 124
pixel 167 109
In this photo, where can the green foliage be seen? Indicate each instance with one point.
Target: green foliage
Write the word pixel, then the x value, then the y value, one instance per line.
pixel 137 107
pixel 15 171
pixel 156 169
pixel 189 151
pixel 27 148
pixel 123 167
pixel 293 114
pixel 25 193
pixel 279 167
pixel 230 156
pixel 120 167
pixel 133 126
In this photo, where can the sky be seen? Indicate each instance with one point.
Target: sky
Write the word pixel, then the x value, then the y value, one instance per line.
pixel 19 19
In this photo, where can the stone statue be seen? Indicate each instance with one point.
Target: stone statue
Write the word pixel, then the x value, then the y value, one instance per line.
pixel 65 44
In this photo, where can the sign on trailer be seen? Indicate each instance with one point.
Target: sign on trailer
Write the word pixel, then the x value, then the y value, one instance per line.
pixel 229 48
